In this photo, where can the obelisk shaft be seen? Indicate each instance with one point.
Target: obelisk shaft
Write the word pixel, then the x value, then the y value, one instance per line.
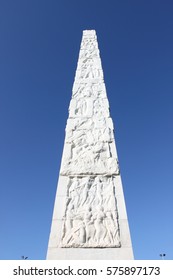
pixel 89 212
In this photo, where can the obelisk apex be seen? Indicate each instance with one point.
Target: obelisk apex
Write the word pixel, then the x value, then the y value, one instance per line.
pixel 89 212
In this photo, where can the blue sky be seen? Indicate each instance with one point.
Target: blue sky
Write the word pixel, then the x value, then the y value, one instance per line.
pixel 38 55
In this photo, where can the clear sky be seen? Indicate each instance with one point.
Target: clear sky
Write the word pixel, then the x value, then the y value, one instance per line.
pixel 38 55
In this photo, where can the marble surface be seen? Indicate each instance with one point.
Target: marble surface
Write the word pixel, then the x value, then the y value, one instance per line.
pixel 89 211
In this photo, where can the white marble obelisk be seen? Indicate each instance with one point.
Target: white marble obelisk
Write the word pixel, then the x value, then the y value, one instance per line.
pixel 89 219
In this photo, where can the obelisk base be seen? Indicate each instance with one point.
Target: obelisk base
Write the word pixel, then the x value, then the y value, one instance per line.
pixel 56 252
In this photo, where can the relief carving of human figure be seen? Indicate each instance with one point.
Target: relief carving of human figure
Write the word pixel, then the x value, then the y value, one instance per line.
pixel 100 108
pixel 108 195
pixel 74 193
pixel 89 226
pixel 82 157
pixel 98 185
pixel 68 224
pixel 79 232
pixel 85 190
pixel 81 108
pixel 101 231
pixel 109 223
pixel 74 229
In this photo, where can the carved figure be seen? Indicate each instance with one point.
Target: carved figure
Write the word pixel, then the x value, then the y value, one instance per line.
pixel 110 226
pixel 99 226
pixel 89 226
pixel 74 193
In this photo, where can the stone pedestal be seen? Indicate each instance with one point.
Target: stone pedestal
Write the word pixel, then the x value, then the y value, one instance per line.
pixel 89 219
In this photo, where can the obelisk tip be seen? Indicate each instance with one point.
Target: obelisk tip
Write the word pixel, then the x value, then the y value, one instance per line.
pixel 89 32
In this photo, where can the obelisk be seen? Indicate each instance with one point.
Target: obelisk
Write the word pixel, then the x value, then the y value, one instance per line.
pixel 89 218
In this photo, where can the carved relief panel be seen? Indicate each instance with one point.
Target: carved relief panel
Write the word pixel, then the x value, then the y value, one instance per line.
pixel 90 218
pixel 89 89
pixel 82 107
pixel 85 158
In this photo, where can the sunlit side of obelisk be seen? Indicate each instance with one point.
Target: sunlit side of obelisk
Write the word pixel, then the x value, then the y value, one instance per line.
pixel 89 218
